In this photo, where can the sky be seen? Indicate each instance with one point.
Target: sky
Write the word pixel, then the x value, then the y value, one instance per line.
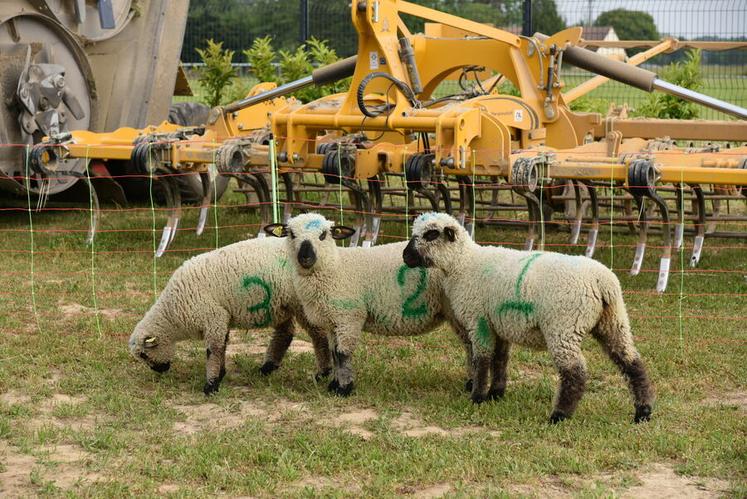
pixel 680 18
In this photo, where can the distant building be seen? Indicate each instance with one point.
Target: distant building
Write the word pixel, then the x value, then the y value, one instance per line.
pixel 591 33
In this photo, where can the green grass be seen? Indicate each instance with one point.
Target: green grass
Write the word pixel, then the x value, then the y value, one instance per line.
pixel 278 435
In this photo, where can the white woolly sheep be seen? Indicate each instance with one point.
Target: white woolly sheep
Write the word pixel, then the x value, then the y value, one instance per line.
pixel 247 285
pixel 347 290
pixel 537 299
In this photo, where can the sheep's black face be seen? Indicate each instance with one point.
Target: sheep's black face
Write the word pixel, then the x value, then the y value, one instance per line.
pixel 307 238
pixel 412 257
pixel 306 255
pixel 427 245
pixel 149 348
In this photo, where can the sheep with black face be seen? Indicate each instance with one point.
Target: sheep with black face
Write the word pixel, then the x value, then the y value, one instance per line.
pixel 247 285
pixel 542 300
pixel 345 291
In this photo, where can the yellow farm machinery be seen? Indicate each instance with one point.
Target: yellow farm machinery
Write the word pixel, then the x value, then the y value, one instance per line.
pixel 396 142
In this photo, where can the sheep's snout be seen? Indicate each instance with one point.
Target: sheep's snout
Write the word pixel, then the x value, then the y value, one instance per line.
pixel 306 255
pixel 161 367
pixel 412 257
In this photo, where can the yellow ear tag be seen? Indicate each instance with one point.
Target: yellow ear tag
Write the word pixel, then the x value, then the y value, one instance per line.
pixel 150 341
pixel 277 231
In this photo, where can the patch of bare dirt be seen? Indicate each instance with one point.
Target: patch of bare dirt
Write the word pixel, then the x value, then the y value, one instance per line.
pixel 660 481
pixel 45 417
pixel 353 422
pixel 412 426
pixel 64 465
pixel 12 397
pixel 438 490
pixel 738 399
pixel 73 310
pixel 168 488
pixel 210 416
pixel 301 346
pixel 318 483
pixel 550 487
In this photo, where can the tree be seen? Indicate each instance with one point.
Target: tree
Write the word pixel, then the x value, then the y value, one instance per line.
pixel 545 17
pixel 629 25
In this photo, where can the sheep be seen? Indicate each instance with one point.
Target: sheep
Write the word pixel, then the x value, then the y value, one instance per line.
pixel 247 285
pixel 542 300
pixel 347 290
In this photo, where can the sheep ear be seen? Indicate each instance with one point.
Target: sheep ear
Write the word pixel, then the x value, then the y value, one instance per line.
pixel 150 342
pixel 450 234
pixel 341 232
pixel 276 230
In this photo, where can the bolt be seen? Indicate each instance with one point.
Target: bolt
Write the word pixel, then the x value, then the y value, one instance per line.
pixel 59 81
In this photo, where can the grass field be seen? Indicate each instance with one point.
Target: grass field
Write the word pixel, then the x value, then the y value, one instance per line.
pixel 79 417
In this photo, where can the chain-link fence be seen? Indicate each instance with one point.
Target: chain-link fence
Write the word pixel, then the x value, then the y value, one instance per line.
pixel 289 22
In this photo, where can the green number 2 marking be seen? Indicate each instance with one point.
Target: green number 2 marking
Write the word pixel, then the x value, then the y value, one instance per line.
pixel 409 309
pixel 263 306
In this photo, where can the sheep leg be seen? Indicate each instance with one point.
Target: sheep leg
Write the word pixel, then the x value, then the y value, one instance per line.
pixel 481 372
pixel 499 368
pixel 343 345
pixel 279 343
pixel 321 351
pixel 216 359
pixel 571 366
pixel 617 342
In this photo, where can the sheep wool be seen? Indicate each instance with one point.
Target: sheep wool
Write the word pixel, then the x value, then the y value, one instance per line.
pixel 347 290
pixel 541 300
pixel 247 285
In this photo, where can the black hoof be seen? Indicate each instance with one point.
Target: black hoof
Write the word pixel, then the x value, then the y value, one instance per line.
pixel 557 416
pixel 344 390
pixel 267 368
pixel 478 398
pixel 333 385
pixel 468 386
pixel 211 387
pixel 324 373
pixel 161 368
pixel 642 413
pixel 496 393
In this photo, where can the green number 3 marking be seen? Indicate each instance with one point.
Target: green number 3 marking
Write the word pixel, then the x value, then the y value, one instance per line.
pixel 409 309
pixel 262 306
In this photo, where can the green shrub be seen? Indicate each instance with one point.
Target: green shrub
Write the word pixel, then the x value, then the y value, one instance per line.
pixel 217 74
pixel 261 56
pixel 685 74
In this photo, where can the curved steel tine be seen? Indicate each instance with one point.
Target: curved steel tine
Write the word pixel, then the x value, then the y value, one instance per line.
pixel 265 200
pixel 166 233
pixel 576 224
pixel 208 189
pixel 594 231
pixel 700 222
pixel 640 248
pixel 666 252
pixel 95 212
pixel 177 210
pixel 679 228
pixel 716 204
pixel 534 217
pixel 466 201
pixel 376 199
pixel 445 195
pixel 289 197
pixel 628 210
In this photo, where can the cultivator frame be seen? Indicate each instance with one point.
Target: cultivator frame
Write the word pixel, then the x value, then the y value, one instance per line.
pixel 449 151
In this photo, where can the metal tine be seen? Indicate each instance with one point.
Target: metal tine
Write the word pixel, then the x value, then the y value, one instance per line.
pixel 666 252
pixel 700 223
pixel 177 212
pixel 166 233
pixel 579 215
pixel 640 248
pixel 208 189
pixel 679 228
pixel 465 204
pixel 373 234
pixel 95 212
pixel 594 231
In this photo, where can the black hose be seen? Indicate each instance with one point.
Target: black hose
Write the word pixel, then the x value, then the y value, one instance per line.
pixel 401 86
